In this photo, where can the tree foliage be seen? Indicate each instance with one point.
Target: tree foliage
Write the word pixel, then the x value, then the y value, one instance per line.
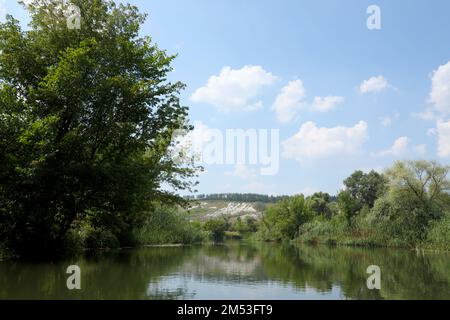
pixel 411 208
pixel 238 197
pixel 86 122
pixel 426 182
pixel 216 229
pixel 320 203
pixel 365 188
pixel 348 206
pixel 417 196
pixel 282 221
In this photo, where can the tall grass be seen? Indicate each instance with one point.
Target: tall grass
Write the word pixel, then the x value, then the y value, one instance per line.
pixel 439 234
pixel 366 231
pixel 167 225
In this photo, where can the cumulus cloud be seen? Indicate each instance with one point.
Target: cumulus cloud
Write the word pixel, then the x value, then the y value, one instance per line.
pixel 440 89
pixel 235 90
pixel 431 132
pixel 421 149
pixel 426 115
pixel 292 100
pixel 387 121
pixel 374 85
pixel 327 103
pixel 443 132
pixel 313 142
pixel 439 98
pixel 401 147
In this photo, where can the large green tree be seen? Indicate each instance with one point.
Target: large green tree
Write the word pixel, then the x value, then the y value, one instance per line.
pixel 320 203
pixel 86 123
pixel 365 188
pixel 361 190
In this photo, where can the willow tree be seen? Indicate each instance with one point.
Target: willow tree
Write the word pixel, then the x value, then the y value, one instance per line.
pixel 418 195
pixel 86 119
pixel 424 182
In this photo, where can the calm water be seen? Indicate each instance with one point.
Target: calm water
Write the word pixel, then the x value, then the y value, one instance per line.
pixel 234 271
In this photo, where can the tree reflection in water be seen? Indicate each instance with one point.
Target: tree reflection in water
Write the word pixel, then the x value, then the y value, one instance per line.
pixel 236 270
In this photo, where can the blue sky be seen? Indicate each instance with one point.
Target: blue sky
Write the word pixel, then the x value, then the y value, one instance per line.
pixel 348 97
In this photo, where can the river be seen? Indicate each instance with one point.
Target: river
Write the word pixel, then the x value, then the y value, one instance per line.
pixel 235 270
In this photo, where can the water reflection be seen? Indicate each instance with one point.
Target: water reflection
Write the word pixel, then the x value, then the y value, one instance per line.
pixel 234 271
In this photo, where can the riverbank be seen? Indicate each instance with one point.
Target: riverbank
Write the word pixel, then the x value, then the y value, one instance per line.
pixel 405 207
pixel 363 233
pixel 368 244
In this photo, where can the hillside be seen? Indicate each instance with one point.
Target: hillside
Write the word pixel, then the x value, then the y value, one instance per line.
pixel 213 209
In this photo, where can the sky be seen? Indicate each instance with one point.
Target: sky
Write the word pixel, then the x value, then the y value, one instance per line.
pixel 340 95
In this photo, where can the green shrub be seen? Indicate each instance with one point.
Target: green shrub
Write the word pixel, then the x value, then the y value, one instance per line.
pixel 3 253
pixel 100 239
pixel 216 229
pixel 233 235
pixel 74 241
pixel 439 234
pixel 166 225
pixel 322 230
pixel 247 225
pixel 399 221
pixel 282 221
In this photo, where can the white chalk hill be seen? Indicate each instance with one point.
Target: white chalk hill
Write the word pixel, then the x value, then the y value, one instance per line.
pixel 207 210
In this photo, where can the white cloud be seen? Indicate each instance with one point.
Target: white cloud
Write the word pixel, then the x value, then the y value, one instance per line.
pixel 327 103
pixel 439 98
pixel 421 149
pixel 431 132
pixel 243 172
pixel 235 90
pixel 443 132
pixel 400 147
pixel 440 89
pixel 290 101
pixel 314 142
pixel 387 121
pixel 426 115
pixel 373 85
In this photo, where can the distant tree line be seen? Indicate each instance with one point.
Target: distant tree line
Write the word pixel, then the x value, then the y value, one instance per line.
pixel 238 197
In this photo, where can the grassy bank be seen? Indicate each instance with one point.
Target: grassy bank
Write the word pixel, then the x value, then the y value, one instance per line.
pixel 364 233
pixel 168 225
